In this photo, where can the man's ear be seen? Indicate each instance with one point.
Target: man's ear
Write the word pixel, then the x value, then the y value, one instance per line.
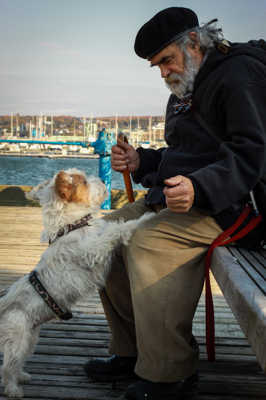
pixel 195 41
pixel 63 185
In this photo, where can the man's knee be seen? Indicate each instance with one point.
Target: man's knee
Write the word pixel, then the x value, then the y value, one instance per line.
pixel 140 236
pixel 128 212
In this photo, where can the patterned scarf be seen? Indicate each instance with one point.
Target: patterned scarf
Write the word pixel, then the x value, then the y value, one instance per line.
pixel 183 105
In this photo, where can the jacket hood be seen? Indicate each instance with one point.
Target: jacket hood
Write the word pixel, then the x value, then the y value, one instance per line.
pixel 216 57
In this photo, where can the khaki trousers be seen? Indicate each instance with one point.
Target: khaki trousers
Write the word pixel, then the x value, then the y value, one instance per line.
pixel 153 290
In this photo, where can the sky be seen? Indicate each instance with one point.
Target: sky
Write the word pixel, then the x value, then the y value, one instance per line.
pixel 76 57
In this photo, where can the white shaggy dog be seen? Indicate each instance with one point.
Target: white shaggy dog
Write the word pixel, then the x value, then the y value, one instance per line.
pixel 75 264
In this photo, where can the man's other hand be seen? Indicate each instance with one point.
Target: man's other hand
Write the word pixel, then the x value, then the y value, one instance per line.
pixel 179 193
pixel 124 156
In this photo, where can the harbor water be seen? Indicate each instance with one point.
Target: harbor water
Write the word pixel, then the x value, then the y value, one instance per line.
pixel 33 170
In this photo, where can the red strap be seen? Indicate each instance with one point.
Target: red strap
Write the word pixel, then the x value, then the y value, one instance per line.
pixel 223 239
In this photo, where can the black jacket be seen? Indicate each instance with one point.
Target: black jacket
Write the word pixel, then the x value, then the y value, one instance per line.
pixel 230 95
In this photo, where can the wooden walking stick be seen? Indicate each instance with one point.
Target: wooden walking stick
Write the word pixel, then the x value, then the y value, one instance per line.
pixel 126 174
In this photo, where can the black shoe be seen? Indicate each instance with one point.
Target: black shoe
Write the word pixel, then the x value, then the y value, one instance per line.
pixel 146 390
pixel 110 369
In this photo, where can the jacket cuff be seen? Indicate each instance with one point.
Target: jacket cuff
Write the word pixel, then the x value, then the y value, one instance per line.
pixel 200 198
pixel 138 174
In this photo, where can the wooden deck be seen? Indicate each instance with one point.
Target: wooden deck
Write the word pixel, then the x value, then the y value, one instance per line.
pixel 56 366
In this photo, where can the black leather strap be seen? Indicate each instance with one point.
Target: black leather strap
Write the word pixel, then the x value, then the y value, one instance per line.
pixel 40 289
pixel 71 227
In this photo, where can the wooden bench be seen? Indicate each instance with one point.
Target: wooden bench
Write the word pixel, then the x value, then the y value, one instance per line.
pixel 241 275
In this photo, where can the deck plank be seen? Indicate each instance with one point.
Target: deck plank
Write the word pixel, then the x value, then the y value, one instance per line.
pixel 64 347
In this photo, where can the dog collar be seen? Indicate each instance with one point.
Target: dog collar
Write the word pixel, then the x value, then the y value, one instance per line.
pixel 71 227
pixel 40 289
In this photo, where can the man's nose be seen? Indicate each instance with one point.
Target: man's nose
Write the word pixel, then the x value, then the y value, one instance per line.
pixel 164 71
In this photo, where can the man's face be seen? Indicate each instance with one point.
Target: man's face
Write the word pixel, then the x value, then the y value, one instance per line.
pixel 178 68
pixel 169 60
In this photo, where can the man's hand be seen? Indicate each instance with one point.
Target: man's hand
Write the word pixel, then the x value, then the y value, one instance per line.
pixel 179 193
pixel 124 156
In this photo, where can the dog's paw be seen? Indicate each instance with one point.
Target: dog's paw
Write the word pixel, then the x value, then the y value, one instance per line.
pixel 14 391
pixel 24 377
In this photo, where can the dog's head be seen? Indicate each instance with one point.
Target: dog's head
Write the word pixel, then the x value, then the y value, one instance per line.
pixel 73 186
pixel 70 187
pixel 67 197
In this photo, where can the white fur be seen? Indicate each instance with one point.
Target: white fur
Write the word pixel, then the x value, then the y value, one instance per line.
pixel 71 268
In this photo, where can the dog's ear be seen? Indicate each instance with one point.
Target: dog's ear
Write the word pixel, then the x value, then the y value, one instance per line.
pixel 103 192
pixel 98 191
pixel 37 193
pixel 64 185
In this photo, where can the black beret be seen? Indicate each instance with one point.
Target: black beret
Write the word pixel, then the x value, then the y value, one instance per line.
pixel 162 29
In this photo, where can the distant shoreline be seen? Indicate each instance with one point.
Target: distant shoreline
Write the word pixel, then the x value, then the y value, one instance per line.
pixel 42 155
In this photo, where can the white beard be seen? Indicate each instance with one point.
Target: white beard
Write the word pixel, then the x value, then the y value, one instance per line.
pixel 182 84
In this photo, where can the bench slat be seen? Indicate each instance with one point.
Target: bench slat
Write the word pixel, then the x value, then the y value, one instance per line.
pixel 248 264
pixel 257 262
pixel 246 299
pixel 261 257
pixel 262 252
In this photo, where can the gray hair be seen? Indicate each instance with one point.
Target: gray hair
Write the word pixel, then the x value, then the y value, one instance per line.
pixel 208 34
